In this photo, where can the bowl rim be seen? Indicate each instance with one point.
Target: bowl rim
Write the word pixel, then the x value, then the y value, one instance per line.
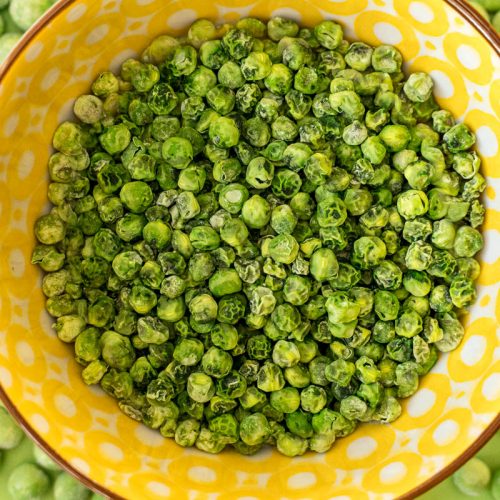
pixel 492 38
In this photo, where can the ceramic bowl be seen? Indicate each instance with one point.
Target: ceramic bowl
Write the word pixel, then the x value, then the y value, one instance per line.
pixel 454 411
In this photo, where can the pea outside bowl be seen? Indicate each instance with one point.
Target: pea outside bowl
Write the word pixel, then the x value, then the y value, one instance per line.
pixel 444 423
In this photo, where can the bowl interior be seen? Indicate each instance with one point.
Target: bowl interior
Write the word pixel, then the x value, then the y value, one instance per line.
pixel 457 401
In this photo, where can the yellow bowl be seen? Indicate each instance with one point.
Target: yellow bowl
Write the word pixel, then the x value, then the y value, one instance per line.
pixel 454 411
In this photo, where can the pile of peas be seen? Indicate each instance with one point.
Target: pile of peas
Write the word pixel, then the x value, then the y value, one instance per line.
pixel 39 476
pixel 261 234
pixel 16 16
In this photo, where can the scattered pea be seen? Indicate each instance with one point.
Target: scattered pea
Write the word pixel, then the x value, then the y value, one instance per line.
pixel 66 487
pixel 495 485
pixel 43 460
pixel 473 477
pixel 28 482
pixel 10 433
pixel 7 42
pixel 25 12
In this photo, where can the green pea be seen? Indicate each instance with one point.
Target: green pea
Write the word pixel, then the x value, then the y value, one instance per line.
pixel 28 482
pixel 11 434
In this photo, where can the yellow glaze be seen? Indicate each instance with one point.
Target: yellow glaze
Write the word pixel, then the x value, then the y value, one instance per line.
pixel 454 404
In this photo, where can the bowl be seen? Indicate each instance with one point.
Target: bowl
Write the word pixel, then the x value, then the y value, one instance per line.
pixel 445 422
